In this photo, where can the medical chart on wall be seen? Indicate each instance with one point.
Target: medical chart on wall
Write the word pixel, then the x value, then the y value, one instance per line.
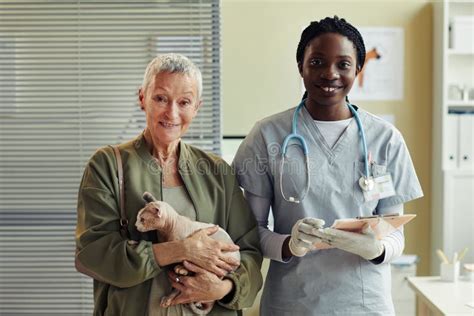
pixel 382 75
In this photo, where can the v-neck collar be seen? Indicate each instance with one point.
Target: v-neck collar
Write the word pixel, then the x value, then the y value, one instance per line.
pixel 350 132
pixel 143 151
pixel 186 169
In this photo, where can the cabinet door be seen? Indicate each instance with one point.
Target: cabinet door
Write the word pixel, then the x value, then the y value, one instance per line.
pixel 458 214
pixel 451 142
pixel 466 139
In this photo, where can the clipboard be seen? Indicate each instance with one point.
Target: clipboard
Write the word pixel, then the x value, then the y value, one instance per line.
pixel 382 225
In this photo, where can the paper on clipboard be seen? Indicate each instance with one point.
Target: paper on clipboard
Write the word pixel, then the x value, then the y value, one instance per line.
pixel 381 225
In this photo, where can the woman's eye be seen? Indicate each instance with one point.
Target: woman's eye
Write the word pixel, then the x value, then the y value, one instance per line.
pixel 160 99
pixel 185 103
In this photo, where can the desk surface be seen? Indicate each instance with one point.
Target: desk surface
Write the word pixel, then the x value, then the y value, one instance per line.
pixel 447 298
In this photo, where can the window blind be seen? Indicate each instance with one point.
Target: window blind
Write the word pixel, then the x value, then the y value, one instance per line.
pixel 69 74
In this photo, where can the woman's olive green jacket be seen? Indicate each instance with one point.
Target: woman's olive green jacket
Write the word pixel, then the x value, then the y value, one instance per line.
pixel 128 268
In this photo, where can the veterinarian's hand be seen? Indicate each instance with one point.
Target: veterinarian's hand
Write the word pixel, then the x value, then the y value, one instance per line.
pixel 203 286
pixel 364 244
pixel 209 253
pixel 302 237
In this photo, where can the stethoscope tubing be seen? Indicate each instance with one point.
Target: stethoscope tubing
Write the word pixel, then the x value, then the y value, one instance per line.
pixel 362 136
pixel 294 135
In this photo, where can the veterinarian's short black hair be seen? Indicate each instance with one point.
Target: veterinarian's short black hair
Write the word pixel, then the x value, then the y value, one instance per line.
pixel 332 25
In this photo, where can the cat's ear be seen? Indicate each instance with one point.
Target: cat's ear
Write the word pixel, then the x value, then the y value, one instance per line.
pixel 148 197
pixel 159 212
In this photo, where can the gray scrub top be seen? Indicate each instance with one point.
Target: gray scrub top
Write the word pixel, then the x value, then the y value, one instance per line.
pixel 325 282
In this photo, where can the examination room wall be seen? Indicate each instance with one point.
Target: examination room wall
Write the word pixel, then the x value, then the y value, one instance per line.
pixel 260 77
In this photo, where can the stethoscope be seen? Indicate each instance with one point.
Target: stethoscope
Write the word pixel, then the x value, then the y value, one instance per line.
pixel 366 182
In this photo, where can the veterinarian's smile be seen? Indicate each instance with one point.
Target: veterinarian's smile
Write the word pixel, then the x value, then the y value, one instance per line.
pixel 330 90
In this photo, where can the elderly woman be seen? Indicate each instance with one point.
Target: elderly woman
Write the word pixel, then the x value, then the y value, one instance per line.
pixel 134 275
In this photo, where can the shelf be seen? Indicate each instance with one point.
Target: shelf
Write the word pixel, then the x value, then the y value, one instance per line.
pixel 451 2
pixel 459 103
pixel 464 109
pixel 453 52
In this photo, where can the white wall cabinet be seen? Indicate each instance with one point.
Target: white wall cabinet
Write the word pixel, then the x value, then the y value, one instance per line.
pixel 465 141
pixel 453 129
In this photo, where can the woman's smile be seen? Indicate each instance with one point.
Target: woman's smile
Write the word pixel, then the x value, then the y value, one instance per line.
pixel 168 125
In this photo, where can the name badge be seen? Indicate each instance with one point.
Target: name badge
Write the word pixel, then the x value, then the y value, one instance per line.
pixel 383 188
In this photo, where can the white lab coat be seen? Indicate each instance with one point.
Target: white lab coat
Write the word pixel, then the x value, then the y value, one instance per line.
pixel 325 282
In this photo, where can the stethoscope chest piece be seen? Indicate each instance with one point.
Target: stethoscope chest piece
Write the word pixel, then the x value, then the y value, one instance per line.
pixel 366 183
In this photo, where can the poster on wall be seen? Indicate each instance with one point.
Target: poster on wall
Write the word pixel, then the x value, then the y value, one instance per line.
pixel 382 75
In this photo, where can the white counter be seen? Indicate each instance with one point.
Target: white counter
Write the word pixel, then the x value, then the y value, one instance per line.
pixel 443 298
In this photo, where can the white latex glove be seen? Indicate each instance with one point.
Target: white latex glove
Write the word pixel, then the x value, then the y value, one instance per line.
pixel 302 237
pixel 364 244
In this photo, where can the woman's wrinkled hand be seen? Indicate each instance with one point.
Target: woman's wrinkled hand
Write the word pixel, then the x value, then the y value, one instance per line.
pixel 202 286
pixel 209 253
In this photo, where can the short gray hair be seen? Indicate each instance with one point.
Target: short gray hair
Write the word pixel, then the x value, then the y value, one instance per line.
pixel 174 63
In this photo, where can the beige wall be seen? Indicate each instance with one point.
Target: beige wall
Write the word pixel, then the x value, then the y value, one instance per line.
pixel 260 76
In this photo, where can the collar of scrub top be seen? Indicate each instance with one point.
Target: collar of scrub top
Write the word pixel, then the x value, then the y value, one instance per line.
pixel 365 182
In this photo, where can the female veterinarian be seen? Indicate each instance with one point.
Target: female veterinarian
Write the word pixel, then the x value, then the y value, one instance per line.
pixel 130 277
pixel 345 153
